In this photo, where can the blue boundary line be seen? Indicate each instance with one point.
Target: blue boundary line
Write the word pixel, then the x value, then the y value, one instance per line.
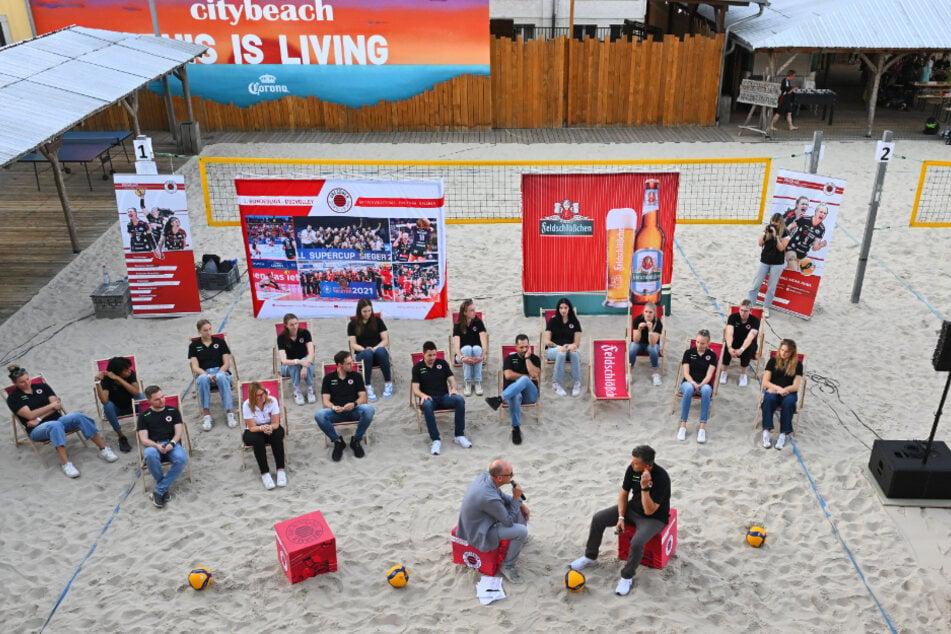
pixel 703 284
pixel 835 529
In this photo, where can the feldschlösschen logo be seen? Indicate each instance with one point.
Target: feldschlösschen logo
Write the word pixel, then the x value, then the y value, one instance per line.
pixel 566 220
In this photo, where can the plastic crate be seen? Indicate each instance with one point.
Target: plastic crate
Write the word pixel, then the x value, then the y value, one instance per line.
pixel 224 280
pixel 112 301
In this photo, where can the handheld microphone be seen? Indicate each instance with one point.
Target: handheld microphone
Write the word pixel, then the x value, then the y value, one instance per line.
pixel 524 499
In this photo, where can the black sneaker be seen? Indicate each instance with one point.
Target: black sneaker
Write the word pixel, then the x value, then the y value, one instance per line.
pixel 517 435
pixel 124 445
pixel 166 496
pixel 158 499
pixel 357 447
pixel 495 402
pixel 339 446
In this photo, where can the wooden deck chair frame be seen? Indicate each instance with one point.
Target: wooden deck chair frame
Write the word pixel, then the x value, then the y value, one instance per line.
pixel 717 349
pixel 760 337
pixel 416 357
pixel 276 354
pixel 327 368
pixel 452 354
pixel 624 346
pixel 35 445
pixel 235 379
pixel 171 400
pixel 800 402
pixel 505 351
pixel 376 367
pixel 275 388
pixel 99 365
pixel 632 313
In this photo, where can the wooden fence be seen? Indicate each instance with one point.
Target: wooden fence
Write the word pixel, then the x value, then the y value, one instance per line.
pixel 619 83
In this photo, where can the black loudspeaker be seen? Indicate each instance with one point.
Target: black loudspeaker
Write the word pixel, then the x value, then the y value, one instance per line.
pixel 942 353
pixel 896 466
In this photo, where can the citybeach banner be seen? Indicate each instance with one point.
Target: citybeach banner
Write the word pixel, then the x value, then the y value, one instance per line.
pixel 156 240
pixel 810 206
pixel 350 52
pixel 316 247
pixel 601 240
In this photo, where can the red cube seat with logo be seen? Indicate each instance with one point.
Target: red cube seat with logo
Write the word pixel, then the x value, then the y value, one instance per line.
pixel 486 563
pixel 659 550
pixel 306 546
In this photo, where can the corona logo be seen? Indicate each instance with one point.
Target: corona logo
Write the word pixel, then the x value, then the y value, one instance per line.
pixel 267 83
pixel 268 79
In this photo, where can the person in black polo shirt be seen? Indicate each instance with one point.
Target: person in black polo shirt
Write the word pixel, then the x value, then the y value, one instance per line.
pixel 369 341
pixel 160 432
pixel 700 366
pixel 296 349
pixel 644 501
pixel 345 399
pixel 740 334
pixel 521 372
pixel 469 341
pixel 561 341
pixel 140 233
pixel 116 387
pixel 430 379
pixel 781 381
pixel 210 360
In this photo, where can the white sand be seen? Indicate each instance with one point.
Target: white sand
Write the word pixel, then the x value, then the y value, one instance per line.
pixel 399 503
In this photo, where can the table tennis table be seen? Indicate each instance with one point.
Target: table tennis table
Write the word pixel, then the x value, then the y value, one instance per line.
pixel 83 147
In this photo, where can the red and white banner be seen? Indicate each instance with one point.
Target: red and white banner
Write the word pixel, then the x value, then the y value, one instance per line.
pixel 316 247
pixel 156 239
pixel 609 369
pixel 810 206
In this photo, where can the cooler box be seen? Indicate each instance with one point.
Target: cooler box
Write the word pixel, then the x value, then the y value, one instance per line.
pixel 659 550
pixel 486 563
pixel 306 546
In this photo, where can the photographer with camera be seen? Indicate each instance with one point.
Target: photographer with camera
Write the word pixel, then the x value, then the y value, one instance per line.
pixel 772 260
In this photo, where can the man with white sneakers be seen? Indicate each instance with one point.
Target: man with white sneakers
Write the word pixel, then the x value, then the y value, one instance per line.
pixel 644 501
pixel 210 360
pixel 435 387
pixel 160 432
pixel 740 333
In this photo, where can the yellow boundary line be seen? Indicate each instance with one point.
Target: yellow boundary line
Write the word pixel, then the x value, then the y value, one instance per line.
pixel 921 185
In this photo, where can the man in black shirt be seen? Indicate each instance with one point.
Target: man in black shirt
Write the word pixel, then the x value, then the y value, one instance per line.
pixel 430 379
pixel 644 501
pixel 520 374
pixel 740 334
pixel 344 397
pixel 160 432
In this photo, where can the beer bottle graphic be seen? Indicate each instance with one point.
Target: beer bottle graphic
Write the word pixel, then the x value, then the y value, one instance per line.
pixel 620 225
pixel 648 266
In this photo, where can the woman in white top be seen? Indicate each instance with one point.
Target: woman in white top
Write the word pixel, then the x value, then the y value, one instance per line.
pixel 262 419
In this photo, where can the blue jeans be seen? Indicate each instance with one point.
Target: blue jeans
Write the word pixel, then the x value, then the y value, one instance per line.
pixel 560 358
pixel 370 358
pixel 773 271
pixel 112 412
pixel 295 371
pixel 522 390
pixel 517 533
pixel 706 393
pixel 153 460
pixel 327 418
pixel 786 406
pixel 203 384
pixel 55 430
pixel 471 372
pixel 444 401
pixel 638 347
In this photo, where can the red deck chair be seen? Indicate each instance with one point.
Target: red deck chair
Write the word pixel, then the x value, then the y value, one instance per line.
pixel 800 402
pixel 609 371
pixel 760 337
pixel 717 349
pixel 633 312
pixel 171 400
pixel 26 437
pixel 274 388
pixel 502 384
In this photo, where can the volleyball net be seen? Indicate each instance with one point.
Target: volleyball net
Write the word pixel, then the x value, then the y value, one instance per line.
pixel 932 206
pixel 711 191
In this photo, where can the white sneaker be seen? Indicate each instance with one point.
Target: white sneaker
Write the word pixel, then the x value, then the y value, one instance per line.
pixel 560 391
pixel 701 436
pixel 656 378
pixel 581 562
pixel 576 389
pixel 478 388
pixel 108 455
pixel 462 441
pixel 311 397
pixel 70 470
pixel 682 433
pixel 232 420
pixel 766 313
pixel 781 441
pixel 268 481
pixel 298 398
pixel 743 380
pixel 371 395
pixel 767 443
pixel 281 478
pixel 467 389
pixel 387 390
pixel 723 377
pixel 436 448
pixel 624 587
pixel 206 422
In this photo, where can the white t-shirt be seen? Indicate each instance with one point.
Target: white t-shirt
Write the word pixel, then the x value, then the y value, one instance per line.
pixel 260 417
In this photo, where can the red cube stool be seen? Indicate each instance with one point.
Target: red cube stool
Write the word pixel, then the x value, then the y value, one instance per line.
pixel 306 546
pixel 658 551
pixel 486 563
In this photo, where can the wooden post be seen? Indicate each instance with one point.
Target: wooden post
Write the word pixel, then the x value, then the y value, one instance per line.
pixel 182 74
pixel 131 104
pixel 50 151
pixel 571 34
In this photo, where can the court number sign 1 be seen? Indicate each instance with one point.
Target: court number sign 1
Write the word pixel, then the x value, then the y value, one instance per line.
pixel 143 148
pixel 884 151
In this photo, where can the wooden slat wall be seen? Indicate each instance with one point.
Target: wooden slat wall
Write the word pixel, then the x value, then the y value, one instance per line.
pixel 618 83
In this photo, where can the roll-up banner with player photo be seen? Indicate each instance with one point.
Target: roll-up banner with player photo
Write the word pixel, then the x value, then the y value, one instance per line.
pixel 604 241
pixel 316 247
pixel 810 205
pixel 156 239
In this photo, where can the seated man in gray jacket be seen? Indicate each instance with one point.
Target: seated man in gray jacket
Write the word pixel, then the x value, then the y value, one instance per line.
pixel 489 516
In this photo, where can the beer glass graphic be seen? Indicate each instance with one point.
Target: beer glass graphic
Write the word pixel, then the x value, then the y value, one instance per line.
pixel 621 225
